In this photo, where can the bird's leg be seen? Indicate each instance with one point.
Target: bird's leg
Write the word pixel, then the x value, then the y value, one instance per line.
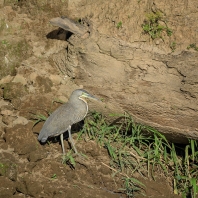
pixel 71 140
pixel 62 143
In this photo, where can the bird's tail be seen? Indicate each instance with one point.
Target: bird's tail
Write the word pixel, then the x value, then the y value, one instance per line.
pixel 42 138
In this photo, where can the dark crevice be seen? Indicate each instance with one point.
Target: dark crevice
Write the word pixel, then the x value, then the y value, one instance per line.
pixel 59 34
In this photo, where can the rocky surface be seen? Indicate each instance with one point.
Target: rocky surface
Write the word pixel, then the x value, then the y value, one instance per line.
pixel 120 64
pixel 157 86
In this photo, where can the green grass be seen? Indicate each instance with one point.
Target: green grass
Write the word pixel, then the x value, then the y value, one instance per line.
pixel 193 46
pixel 54 176
pixel 153 25
pixel 38 118
pixel 131 151
pixel 69 159
pixel 119 25
pixel 3 168
pixel 173 46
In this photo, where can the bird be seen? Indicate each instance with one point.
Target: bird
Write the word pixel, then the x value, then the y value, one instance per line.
pixel 62 119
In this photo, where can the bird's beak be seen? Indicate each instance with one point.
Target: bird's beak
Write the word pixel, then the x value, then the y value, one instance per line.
pixel 91 97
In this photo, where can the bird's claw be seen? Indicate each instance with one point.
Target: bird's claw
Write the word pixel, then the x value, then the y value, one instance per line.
pixel 72 157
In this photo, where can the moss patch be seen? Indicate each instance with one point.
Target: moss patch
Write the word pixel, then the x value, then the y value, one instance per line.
pixel 13 91
pixel 11 55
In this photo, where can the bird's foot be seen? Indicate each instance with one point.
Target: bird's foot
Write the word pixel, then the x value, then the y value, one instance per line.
pixel 71 158
pixel 81 159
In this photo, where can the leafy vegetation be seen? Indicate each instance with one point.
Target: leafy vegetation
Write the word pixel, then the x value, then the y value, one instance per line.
pixel 173 46
pixel 153 25
pixel 38 118
pixel 193 46
pixel 3 168
pixel 119 25
pixel 54 176
pixel 132 151
pixel 69 159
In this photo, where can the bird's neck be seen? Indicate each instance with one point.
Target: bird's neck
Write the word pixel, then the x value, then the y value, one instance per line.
pixel 84 103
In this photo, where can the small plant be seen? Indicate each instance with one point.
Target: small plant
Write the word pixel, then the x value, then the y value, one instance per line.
pixel 3 169
pixel 54 176
pixel 1 165
pixel 4 42
pixel 153 27
pixel 119 25
pixel 76 186
pixel 61 64
pixel 132 185
pixel 68 159
pixel 173 46
pixel 38 118
pixel 193 46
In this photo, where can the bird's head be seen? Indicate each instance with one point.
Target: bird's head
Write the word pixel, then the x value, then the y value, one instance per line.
pixel 82 94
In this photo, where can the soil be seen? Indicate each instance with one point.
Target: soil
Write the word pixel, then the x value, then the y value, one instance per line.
pixel 27 168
